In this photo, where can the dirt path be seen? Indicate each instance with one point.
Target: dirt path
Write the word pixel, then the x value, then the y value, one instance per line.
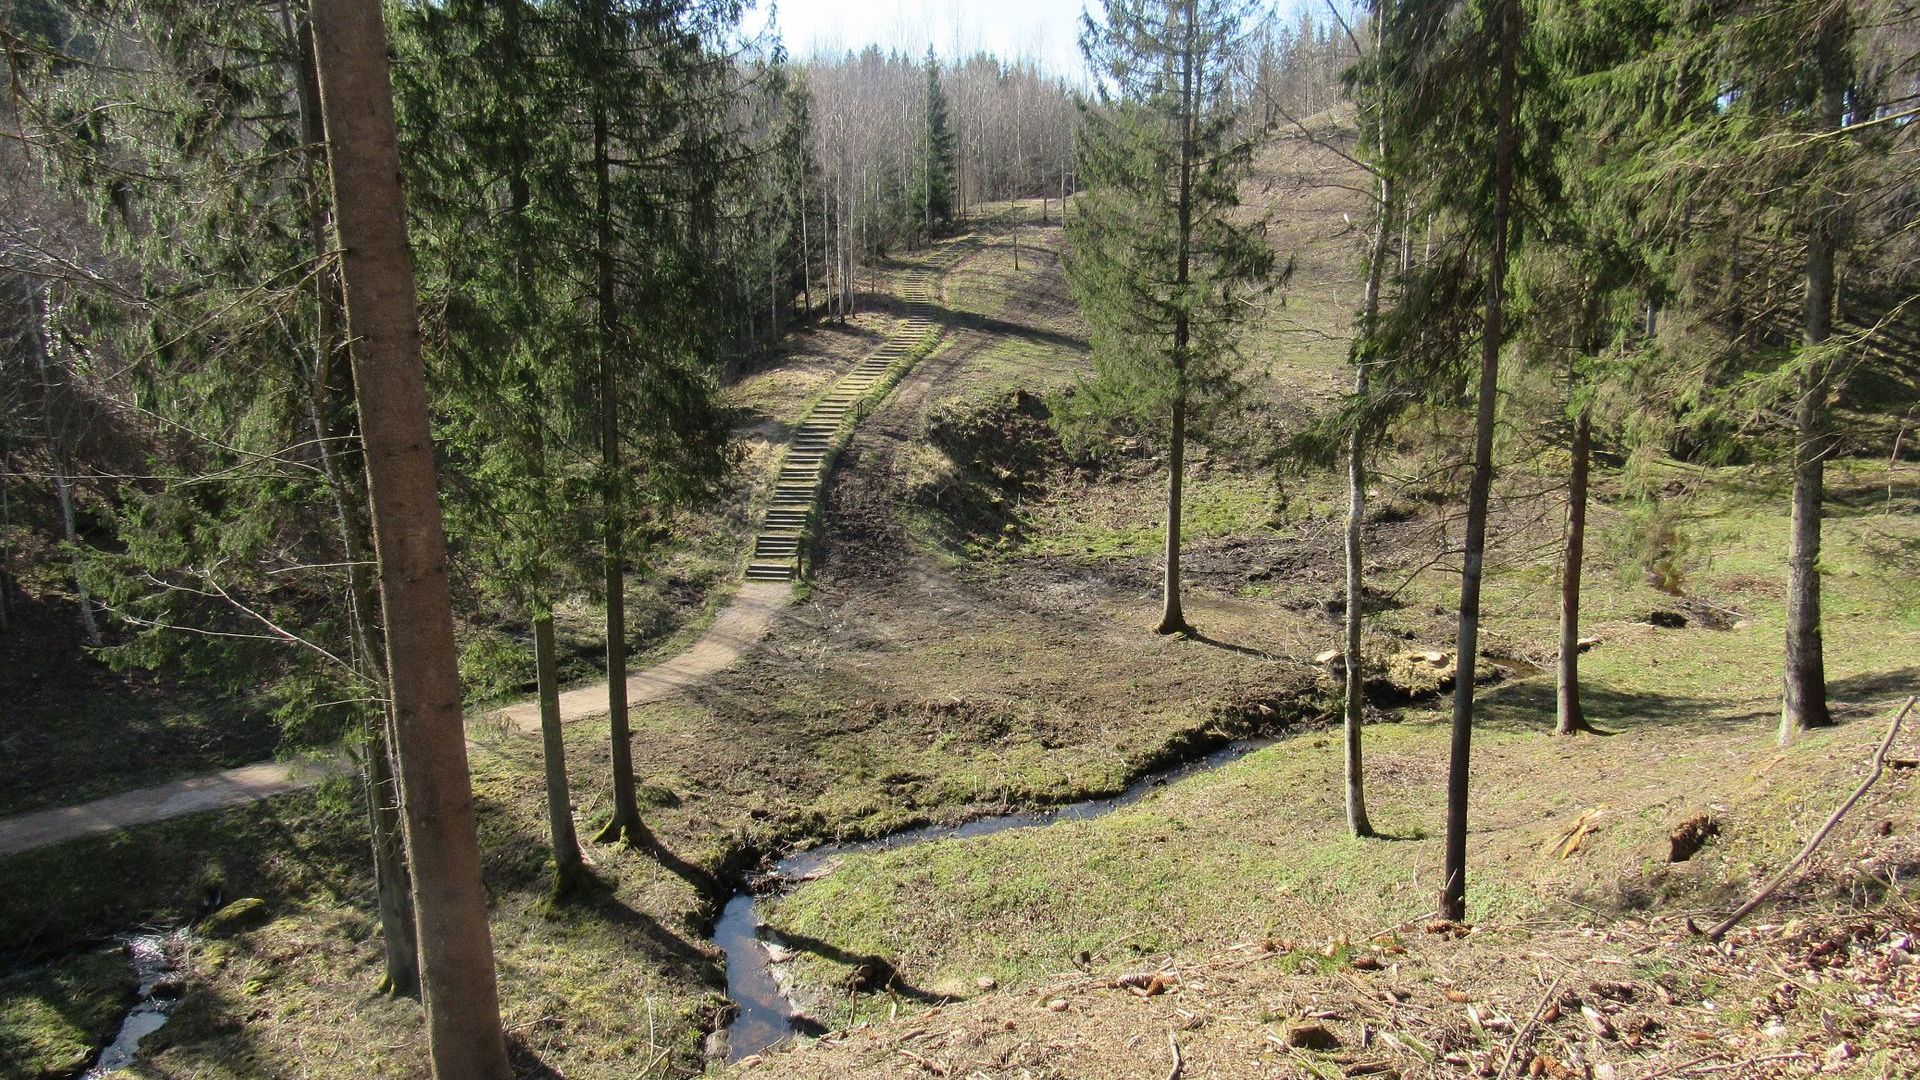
pixel 739 627
pixel 745 621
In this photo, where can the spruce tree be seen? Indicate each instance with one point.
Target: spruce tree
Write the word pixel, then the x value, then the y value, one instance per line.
pixel 235 351
pixel 936 156
pixel 1159 260
pixel 1456 80
pixel 504 349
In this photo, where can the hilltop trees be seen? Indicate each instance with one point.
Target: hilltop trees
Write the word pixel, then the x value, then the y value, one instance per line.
pixel 903 144
pixel 1160 263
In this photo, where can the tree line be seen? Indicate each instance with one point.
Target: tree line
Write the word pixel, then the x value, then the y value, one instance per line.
pixel 905 147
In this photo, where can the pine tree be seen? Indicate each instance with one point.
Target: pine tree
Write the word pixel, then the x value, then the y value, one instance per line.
pixel 504 345
pixel 1455 77
pixel 1764 129
pixel 1159 261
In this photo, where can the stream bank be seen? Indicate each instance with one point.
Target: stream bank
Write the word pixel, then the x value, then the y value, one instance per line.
pixel 765 1014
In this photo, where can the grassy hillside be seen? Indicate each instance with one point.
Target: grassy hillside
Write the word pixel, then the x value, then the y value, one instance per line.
pixel 1249 871
pixel 975 640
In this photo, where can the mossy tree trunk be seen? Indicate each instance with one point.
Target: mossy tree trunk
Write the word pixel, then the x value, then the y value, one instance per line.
pixel 569 870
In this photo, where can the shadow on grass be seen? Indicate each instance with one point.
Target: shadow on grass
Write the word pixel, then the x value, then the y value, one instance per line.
pixel 987 324
pixel 1527 705
pixel 1227 646
pixel 1409 836
pixel 702 881
pixel 675 953
pixel 1867 691
pixel 867 974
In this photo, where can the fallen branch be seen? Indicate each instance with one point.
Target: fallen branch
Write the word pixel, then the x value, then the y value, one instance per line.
pixel 1786 872
pixel 1174 1043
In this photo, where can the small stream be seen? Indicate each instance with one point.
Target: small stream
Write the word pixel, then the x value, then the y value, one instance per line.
pixel 159 996
pixel 765 1014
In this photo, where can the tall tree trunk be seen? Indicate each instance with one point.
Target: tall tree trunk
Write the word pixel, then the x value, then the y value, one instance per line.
pixel 625 823
pixel 461 996
pixel 1453 889
pixel 1804 696
pixel 806 255
pixel 569 870
pixel 1569 717
pixel 330 404
pixel 1172 619
pixel 59 456
pixel 1355 711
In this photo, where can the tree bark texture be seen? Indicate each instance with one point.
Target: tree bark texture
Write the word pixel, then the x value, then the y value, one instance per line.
pixel 460 993
pixel 1569 718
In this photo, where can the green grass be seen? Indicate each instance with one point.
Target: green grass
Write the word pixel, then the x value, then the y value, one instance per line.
pixel 952 691
pixel 1127 519
pixel 103 739
pixel 1259 849
pixel 53 1018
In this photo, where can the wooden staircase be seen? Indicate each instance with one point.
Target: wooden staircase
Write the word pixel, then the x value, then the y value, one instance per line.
pixel 776 548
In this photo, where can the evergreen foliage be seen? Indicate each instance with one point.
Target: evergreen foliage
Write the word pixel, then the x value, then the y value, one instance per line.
pixel 1161 263
pixel 936 159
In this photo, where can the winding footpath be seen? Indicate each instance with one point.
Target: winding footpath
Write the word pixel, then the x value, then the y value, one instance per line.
pixel 740 626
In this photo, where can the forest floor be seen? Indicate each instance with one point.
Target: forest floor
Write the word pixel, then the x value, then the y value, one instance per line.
pixel 975 640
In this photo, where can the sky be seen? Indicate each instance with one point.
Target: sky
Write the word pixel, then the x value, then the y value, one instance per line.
pixel 1047 30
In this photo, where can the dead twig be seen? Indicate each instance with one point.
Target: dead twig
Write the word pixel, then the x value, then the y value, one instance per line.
pixel 1683 1066
pixel 1793 865
pixel 1526 1029
pixel 931 1066
pixel 1173 1043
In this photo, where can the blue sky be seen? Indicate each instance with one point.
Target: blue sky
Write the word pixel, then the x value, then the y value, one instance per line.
pixel 1045 29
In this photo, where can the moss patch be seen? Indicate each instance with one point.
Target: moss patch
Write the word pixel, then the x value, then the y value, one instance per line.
pixel 54 1020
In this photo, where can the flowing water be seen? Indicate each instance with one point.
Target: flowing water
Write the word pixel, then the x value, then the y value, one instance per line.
pixel 159 996
pixel 764 1015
